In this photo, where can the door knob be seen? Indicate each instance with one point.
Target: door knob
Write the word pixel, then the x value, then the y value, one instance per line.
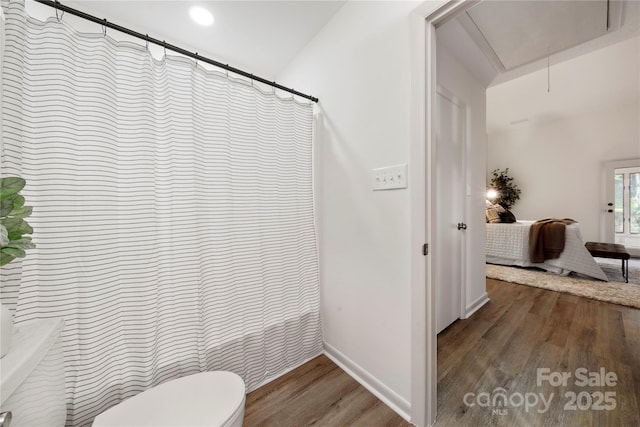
pixel 609 204
pixel 462 226
pixel 609 210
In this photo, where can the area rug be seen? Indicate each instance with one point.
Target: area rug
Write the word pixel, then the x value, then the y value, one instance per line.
pixel 616 292
pixel 613 269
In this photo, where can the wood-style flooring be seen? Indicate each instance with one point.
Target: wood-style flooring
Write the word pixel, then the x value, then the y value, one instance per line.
pixel 503 345
pixel 317 393
pixel 523 329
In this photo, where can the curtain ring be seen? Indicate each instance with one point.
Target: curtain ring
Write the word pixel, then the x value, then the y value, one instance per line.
pixel 147 47
pixel 104 28
pixel 196 59
pixel 164 45
pixel 55 5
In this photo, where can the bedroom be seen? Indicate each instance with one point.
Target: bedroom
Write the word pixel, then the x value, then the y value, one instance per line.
pixel 587 119
pixel 556 122
pixel 577 117
pixel 556 154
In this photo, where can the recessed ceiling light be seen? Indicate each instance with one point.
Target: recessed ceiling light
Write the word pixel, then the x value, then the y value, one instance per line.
pixel 201 15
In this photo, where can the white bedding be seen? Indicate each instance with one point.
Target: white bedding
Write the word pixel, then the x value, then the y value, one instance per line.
pixel 508 244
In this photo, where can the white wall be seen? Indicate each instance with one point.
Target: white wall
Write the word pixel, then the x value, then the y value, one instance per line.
pixel 359 67
pixel 557 164
pixel 452 75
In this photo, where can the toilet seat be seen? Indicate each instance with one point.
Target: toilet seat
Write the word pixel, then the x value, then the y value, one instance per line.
pixel 206 399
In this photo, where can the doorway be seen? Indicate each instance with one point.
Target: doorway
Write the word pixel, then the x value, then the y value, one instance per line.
pixel 620 220
pixel 626 207
pixel 423 148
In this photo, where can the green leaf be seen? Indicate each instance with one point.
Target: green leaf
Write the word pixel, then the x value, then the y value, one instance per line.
pixel 22 212
pixel 16 227
pixel 10 222
pixel 18 201
pixel 23 243
pixel 14 252
pixel 25 227
pixel 6 206
pixel 10 186
pixel 5 258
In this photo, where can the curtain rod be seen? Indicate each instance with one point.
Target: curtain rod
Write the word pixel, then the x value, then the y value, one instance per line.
pixel 59 6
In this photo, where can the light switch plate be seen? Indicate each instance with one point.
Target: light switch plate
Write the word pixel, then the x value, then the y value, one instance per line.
pixel 390 178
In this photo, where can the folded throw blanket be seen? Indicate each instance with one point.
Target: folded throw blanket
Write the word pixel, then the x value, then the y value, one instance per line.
pixel 546 238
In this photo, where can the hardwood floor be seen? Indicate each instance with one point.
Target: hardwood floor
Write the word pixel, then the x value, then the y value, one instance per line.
pixel 503 345
pixel 317 393
pixel 523 329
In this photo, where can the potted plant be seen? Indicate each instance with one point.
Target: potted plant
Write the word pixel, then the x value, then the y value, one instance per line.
pixel 14 230
pixel 507 193
pixel 14 240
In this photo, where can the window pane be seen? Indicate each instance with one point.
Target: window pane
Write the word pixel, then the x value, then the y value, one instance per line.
pixel 619 202
pixel 634 203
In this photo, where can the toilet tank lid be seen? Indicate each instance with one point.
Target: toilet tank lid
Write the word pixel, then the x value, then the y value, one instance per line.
pixel 206 399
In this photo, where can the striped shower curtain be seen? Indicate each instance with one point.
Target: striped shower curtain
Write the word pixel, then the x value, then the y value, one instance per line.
pixel 173 214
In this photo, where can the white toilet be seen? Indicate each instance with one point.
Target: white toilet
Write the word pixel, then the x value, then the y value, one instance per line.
pixel 32 389
pixel 207 399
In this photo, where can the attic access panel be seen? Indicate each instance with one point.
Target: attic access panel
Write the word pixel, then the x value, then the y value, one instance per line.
pixel 519 32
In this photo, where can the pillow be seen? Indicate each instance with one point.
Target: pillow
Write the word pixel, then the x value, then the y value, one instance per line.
pixel 492 214
pixel 507 217
pixel 499 208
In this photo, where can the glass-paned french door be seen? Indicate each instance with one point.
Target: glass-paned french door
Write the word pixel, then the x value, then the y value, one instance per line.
pixel 634 203
pixel 627 205
pixel 619 204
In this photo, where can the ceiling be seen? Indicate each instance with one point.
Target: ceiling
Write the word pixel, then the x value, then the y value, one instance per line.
pixel 604 79
pixel 263 36
pixel 504 43
pixel 542 28
pixel 260 37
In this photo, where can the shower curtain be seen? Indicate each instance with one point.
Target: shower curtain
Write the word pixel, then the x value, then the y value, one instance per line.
pixel 173 213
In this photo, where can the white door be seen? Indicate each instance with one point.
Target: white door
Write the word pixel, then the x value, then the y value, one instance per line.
pixel 627 208
pixel 448 250
pixel 621 210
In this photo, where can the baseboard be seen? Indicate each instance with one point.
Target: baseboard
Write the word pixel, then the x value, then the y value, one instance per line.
pixel 476 305
pixel 368 381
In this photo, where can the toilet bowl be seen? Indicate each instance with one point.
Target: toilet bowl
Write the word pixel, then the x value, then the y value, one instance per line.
pixel 207 399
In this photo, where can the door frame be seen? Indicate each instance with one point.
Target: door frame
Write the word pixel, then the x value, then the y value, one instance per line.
pixel 423 22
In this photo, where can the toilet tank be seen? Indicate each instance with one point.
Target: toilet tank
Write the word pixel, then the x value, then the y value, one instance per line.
pixel 32 375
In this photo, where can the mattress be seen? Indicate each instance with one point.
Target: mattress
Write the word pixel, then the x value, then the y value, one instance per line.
pixel 508 244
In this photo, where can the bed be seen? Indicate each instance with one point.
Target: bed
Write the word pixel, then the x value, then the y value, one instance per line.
pixel 508 244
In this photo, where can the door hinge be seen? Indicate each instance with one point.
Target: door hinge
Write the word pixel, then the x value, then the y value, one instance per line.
pixel 425 249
